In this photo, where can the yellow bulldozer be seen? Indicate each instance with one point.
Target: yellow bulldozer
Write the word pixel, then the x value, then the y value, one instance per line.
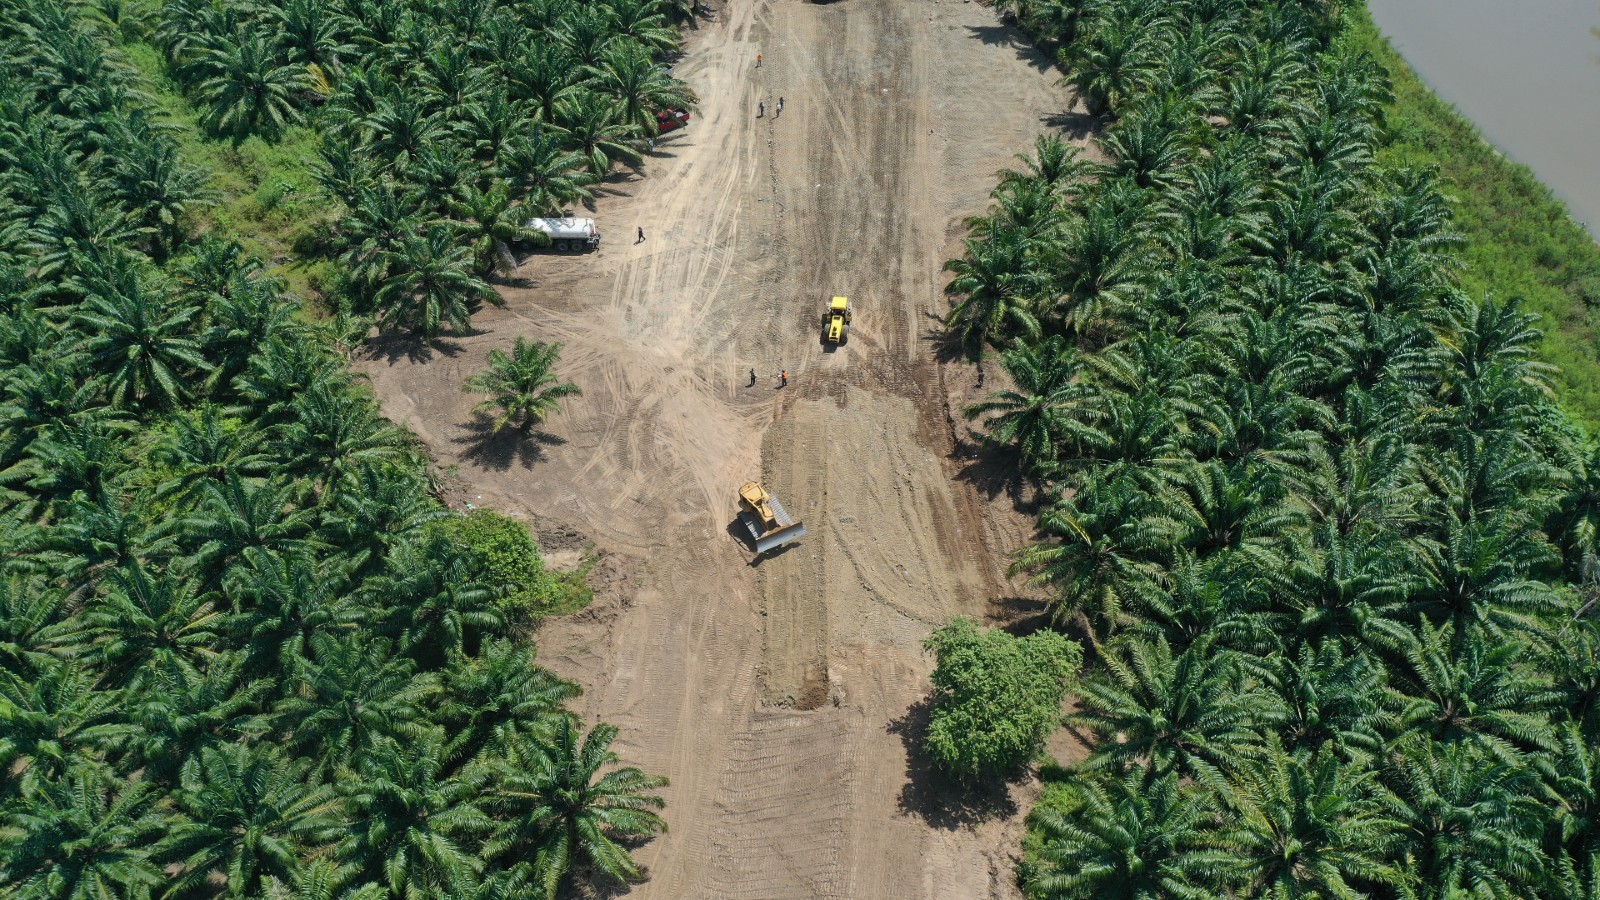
pixel 836 321
pixel 770 525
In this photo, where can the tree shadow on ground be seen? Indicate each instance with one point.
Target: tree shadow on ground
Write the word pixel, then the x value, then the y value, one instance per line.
pixel 1007 34
pixel 931 795
pixel 1075 125
pixel 393 347
pixel 511 446
pixel 947 345
pixel 993 471
pixel 1020 616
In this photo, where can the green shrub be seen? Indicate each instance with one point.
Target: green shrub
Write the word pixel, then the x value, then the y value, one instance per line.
pixel 507 559
pixel 995 697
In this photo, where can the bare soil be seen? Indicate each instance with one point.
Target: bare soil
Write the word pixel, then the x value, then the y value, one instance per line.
pixel 780 695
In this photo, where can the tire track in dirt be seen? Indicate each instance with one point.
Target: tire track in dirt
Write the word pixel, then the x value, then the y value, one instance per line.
pixel 897 114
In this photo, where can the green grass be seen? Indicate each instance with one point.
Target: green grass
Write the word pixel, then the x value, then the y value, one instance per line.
pixel 262 194
pixel 1520 240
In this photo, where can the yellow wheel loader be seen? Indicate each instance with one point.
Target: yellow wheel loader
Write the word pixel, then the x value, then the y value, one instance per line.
pixel 836 321
pixel 769 523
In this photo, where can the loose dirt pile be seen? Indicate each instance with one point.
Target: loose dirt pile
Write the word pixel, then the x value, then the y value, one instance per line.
pixel 780 697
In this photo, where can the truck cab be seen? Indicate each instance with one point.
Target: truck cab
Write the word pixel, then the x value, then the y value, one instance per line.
pixel 836 321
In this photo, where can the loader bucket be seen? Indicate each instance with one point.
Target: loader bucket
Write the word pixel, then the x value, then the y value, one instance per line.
pixel 780 537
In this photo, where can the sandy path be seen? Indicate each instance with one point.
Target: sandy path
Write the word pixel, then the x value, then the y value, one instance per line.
pixel 776 697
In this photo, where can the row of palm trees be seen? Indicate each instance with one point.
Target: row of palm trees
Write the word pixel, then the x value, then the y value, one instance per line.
pixel 1316 513
pixel 445 125
pixel 243 651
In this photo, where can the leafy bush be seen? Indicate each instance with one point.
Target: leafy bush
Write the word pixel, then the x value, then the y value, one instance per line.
pixel 507 559
pixel 995 697
pixel 504 552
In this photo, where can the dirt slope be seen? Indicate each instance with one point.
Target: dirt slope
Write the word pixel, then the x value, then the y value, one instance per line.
pixel 779 698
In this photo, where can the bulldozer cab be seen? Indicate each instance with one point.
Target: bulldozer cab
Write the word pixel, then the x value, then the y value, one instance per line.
pixel 755 499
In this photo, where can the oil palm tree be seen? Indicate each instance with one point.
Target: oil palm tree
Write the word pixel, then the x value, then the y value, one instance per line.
pixel 431 283
pixel 492 222
pixel 351 694
pixel 643 23
pixel 181 712
pixel 1124 838
pixel 1471 823
pixel 104 534
pixel 1306 826
pixel 245 87
pixel 148 176
pixel 1111 63
pixel 149 624
pixel 413 819
pixel 31 616
pixel 545 174
pixel 555 807
pixel 1053 164
pixel 592 127
pixel 501 693
pixel 545 75
pixel 55 719
pixel 205 446
pixel 87 836
pixel 1045 412
pixel 313 34
pixel 333 430
pixel 253 815
pixel 630 76
pixel 80 227
pixel 523 385
pixel 586 33
pixel 236 516
pixel 1572 779
pixel 1461 687
pixel 285 601
pixel 1001 284
pixel 1105 558
pixel 402 127
pixel 1192 713
pixel 138 335
pixel 382 218
pixel 438 611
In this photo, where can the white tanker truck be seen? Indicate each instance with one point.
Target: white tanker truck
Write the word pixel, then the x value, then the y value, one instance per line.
pixel 568 234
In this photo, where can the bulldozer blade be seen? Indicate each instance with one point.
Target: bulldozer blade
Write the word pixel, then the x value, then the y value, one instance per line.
pixel 780 537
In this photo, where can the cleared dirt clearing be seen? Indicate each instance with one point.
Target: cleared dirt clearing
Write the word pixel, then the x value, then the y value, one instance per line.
pixel 777 697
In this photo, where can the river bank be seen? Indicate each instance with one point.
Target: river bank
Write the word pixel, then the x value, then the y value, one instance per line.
pixel 1520 239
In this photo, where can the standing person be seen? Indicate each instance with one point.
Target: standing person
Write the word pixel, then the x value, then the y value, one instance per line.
pixel 641 235
pixel 758 60
pixel 752 377
pixel 783 378
pixel 761 108
pixel 779 111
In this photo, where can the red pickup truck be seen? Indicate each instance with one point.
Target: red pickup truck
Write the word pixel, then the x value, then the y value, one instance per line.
pixel 669 119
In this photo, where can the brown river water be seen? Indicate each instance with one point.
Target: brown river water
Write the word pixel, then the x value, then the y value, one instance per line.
pixel 1526 71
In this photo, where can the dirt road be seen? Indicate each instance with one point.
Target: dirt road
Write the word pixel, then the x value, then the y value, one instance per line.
pixel 779 697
